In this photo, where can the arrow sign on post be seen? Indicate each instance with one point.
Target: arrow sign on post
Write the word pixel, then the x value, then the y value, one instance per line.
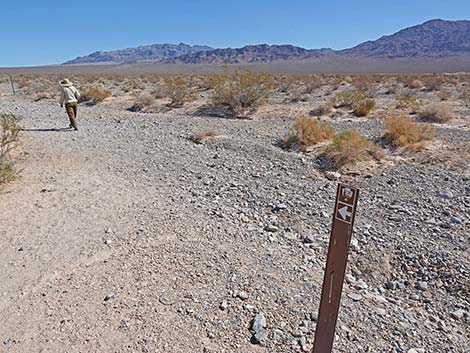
pixel 340 237
pixel 344 213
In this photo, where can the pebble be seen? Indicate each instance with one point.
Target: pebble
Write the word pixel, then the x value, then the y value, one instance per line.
pixel 109 296
pixel 458 314
pixel 258 327
pixel 271 228
pixel 242 295
pixel 354 296
pixel 422 285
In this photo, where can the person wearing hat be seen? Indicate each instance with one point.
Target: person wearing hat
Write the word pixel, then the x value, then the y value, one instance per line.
pixel 70 97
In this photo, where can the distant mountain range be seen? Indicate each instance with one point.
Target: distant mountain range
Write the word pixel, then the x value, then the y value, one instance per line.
pixel 146 53
pixel 435 38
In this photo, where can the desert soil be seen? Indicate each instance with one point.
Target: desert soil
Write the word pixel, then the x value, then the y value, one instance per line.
pixel 126 236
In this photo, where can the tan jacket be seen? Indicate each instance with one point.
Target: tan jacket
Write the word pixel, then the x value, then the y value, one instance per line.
pixel 69 95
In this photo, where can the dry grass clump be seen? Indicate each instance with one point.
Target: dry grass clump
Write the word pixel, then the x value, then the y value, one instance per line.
pixel 435 113
pixel 9 133
pixel 143 101
pixel 347 98
pixel 202 136
pixel 350 147
pixel 179 90
pixel 366 84
pixel 241 90
pixel 94 94
pixel 363 107
pixel 406 100
pixel 404 132
pixel 305 132
pixel 432 82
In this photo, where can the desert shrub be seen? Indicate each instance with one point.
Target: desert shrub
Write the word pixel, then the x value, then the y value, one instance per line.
pixel 415 84
pixel 363 107
pixel 179 90
pixel 432 82
pixel 349 147
pixel 241 90
pixel 406 100
pixel 465 98
pixel 94 94
pixel 143 101
pixel 201 136
pixel 41 95
pixel 347 98
pixel 305 132
pixel 404 132
pixel 365 84
pixel 435 113
pixel 9 132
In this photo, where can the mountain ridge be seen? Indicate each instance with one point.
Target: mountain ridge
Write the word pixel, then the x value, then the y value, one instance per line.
pixel 433 38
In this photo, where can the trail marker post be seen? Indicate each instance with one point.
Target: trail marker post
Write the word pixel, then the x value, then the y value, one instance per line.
pixel 12 85
pixel 340 237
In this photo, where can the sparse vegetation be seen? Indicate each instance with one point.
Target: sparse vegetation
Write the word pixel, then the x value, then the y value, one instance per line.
pixel 406 100
pixel 179 90
pixel 347 98
pixel 241 90
pixel 363 107
pixel 349 147
pixel 9 132
pixel 94 94
pixel 435 113
pixel 404 132
pixel 305 132
pixel 143 101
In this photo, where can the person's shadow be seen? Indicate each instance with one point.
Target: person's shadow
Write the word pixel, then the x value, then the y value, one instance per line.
pixel 64 129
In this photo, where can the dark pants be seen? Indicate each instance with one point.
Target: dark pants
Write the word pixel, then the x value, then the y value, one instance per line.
pixel 71 109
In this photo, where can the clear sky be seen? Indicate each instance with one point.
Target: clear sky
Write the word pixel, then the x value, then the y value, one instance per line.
pixel 40 32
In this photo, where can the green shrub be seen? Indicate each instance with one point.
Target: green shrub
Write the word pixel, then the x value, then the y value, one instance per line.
pixel 94 94
pixel 241 90
pixel 347 98
pixel 179 90
pixel 9 132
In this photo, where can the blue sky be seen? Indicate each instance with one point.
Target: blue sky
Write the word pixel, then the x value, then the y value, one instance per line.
pixel 34 32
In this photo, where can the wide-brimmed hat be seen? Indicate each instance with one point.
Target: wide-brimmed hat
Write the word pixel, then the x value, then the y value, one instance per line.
pixel 66 83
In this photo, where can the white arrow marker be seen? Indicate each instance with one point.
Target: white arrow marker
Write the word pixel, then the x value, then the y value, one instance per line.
pixel 344 213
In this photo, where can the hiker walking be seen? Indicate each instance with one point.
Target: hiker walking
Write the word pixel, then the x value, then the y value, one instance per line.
pixel 70 97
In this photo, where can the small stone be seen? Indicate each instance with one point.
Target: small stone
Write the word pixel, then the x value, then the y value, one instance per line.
pixel 422 285
pixel 458 314
pixel 309 239
pixel 271 228
pixel 354 296
pixel 109 230
pixel 350 278
pixel 279 207
pixel 332 175
pixel 354 245
pixel 223 306
pixel 259 322
pixel 109 296
pixel 242 295
pixel 360 284
pixel 108 242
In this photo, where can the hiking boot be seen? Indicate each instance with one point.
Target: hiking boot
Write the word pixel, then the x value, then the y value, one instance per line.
pixel 75 129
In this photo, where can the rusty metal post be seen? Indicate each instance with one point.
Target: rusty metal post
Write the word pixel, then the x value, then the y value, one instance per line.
pixel 340 237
